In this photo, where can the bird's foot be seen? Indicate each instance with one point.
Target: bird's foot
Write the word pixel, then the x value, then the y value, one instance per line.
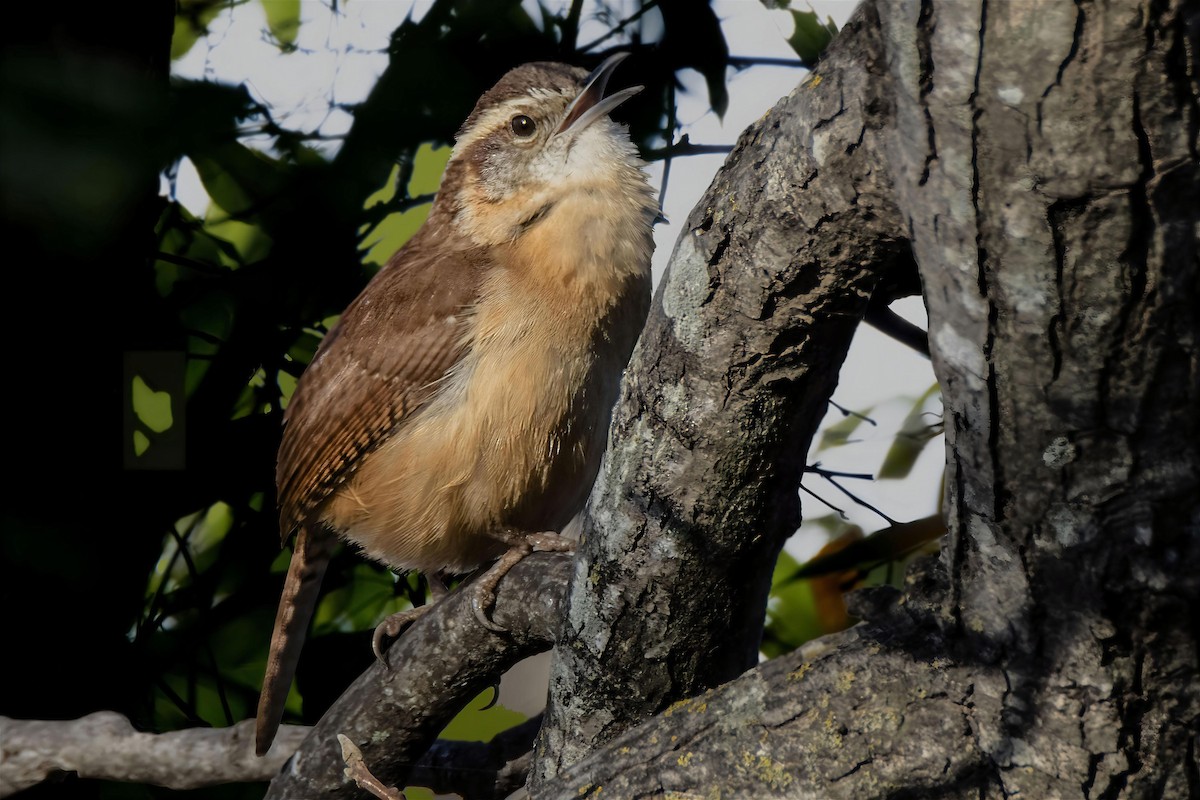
pixel 392 627
pixel 520 545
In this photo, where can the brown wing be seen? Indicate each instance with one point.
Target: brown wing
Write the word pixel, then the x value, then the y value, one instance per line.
pixel 372 371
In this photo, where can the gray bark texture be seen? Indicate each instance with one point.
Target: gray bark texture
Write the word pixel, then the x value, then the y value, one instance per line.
pixel 437 666
pixel 1038 162
pixel 104 745
pixel 1041 160
pixel 698 492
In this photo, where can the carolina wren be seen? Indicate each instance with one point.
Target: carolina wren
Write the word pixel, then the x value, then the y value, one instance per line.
pixel 460 407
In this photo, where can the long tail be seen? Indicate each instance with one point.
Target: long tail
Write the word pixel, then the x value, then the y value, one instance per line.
pixel 314 547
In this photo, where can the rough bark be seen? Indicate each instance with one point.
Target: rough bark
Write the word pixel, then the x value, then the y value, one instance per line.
pixel 770 276
pixel 1056 237
pixel 106 746
pixel 443 661
pixel 1044 159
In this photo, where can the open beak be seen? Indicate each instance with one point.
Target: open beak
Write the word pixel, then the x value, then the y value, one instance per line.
pixel 591 104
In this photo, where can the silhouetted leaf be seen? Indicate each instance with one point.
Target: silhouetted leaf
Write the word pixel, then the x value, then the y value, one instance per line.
pixel 811 36
pixel 693 38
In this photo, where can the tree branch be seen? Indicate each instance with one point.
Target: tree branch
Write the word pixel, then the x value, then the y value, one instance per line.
pixel 844 717
pixel 766 285
pixel 444 660
pixel 889 323
pixel 106 746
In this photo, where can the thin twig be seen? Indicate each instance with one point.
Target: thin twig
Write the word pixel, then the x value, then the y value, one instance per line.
pixel 889 323
pixel 848 413
pixel 817 469
pixel 683 147
pixel 739 62
pixel 632 18
pixel 379 211
pixel 859 500
pixel 822 500
pixel 181 545
pixel 672 122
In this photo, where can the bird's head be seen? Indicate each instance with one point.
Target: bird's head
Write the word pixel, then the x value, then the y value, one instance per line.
pixel 539 135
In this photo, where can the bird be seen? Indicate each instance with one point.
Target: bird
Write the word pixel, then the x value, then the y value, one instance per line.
pixel 457 412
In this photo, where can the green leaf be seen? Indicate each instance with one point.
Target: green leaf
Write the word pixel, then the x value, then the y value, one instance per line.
pixel 792 617
pixel 387 236
pixel 478 724
pixel 238 179
pixel 910 441
pixel 889 544
pixel 248 243
pixel 840 432
pixel 201 533
pixel 287 387
pixel 811 36
pixel 428 166
pixel 191 22
pixel 301 353
pixel 360 604
pixel 153 408
pixel 283 20
pixel 392 232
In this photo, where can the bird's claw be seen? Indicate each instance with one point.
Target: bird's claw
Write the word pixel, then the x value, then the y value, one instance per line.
pixel 391 628
pixel 520 546
pixel 481 601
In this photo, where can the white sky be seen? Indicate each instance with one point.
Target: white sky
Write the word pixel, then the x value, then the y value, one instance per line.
pixel 339 57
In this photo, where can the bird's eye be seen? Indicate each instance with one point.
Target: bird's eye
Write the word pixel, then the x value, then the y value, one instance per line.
pixel 522 126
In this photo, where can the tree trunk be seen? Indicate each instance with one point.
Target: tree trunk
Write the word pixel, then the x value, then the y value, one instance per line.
pixel 1043 161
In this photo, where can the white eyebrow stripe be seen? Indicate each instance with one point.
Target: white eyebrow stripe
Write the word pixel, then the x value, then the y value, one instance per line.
pixel 494 118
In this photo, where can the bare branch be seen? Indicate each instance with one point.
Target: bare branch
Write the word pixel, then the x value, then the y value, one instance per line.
pixel 444 660
pixel 889 323
pixel 106 746
pixel 34 750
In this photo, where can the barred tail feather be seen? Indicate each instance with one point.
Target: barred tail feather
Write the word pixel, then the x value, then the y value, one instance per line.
pixel 314 547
